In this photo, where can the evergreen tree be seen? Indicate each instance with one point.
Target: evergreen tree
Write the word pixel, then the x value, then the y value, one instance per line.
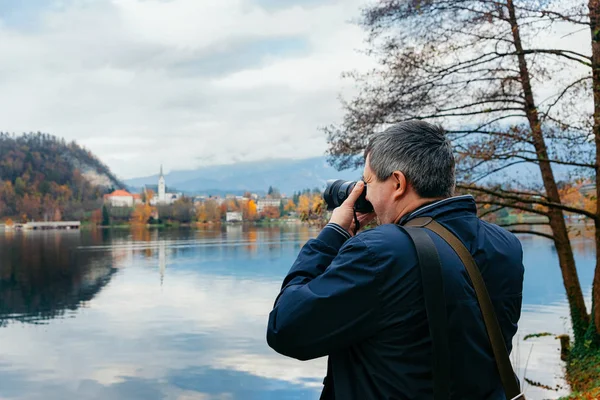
pixel 105 216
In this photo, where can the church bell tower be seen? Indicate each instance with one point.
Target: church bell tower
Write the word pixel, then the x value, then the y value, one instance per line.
pixel 162 189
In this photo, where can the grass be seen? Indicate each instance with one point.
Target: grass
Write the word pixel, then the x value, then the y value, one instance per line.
pixel 583 374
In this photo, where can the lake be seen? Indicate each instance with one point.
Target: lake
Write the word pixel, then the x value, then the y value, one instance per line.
pixel 181 314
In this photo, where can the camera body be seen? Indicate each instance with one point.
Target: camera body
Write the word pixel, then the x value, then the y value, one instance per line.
pixel 338 190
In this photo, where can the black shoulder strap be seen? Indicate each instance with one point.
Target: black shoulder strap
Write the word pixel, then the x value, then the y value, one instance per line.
pixel 509 380
pixel 435 307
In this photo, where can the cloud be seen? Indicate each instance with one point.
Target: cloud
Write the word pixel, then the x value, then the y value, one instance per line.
pixel 178 82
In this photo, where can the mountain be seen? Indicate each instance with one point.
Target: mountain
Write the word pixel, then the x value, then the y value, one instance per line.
pixel 44 177
pixel 286 175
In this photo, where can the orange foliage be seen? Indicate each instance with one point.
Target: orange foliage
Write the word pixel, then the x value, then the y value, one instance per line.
pixel 249 212
pixel 317 204
pixel 303 208
pixel 290 206
pixel 201 215
pixel 232 205
pixel 571 195
pixel 270 212
pixel 141 214
pixel 209 211
pixel 310 206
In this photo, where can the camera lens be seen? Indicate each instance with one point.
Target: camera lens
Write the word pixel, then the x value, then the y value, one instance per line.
pixel 337 191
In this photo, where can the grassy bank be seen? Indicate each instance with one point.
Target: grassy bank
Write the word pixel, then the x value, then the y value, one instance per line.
pixel 583 374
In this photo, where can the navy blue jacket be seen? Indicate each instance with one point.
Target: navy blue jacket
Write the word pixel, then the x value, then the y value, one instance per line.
pixel 360 301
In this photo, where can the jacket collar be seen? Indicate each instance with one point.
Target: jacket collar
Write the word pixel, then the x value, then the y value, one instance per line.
pixel 464 203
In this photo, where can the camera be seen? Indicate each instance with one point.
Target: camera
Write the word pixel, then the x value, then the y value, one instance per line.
pixel 338 190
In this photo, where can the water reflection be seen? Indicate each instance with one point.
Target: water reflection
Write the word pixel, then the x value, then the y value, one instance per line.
pixel 181 315
pixel 42 277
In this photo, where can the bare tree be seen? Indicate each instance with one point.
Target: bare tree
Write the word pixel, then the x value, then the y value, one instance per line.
pixel 472 66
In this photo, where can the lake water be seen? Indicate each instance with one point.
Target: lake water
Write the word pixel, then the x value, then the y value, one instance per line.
pixel 148 314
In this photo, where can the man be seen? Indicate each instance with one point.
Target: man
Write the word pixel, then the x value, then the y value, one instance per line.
pixel 359 299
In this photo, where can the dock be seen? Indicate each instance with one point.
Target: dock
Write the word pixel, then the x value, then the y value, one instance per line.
pixel 48 225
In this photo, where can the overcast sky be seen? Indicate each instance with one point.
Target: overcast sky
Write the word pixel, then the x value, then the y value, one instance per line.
pixel 182 82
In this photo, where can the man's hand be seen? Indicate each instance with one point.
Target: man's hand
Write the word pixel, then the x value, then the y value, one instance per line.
pixel 344 214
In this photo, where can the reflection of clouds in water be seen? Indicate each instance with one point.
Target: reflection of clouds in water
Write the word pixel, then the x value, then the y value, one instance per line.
pixel 202 335
pixel 538 359
pixel 225 320
pixel 210 322
pixel 276 367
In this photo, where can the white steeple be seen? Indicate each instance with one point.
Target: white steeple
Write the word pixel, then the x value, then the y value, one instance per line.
pixel 162 187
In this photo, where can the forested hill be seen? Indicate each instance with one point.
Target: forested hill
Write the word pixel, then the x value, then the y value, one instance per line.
pixel 44 178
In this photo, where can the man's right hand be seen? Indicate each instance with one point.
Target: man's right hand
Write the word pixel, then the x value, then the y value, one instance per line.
pixel 344 214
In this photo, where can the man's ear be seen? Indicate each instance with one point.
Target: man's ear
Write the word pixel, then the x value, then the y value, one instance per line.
pixel 400 184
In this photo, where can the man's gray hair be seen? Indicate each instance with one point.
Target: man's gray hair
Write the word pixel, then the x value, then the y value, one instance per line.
pixel 420 151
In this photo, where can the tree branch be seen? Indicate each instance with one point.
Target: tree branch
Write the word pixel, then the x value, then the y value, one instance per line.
pixel 571 55
pixel 512 205
pixel 487 111
pixel 562 94
pixel 493 171
pixel 543 13
pixel 537 160
pixel 545 203
pixel 488 212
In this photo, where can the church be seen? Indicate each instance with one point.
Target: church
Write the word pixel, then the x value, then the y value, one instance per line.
pixel 159 194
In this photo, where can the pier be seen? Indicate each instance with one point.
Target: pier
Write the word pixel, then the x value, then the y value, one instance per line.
pixel 47 225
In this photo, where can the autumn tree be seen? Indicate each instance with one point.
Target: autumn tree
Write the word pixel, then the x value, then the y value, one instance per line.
pixel 201 215
pixel 213 211
pixel 317 204
pixel 208 211
pixel 289 206
pixel 96 217
pixel 141 214
pixel 223 208
pixel 572 195
pixel 310 207
pixel 249 210
pixel 29 207
pixel 270 212
pixel 303 208
pixel 476 67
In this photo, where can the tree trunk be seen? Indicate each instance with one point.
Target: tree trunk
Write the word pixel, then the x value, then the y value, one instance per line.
pixel 594 8
pixel 579 316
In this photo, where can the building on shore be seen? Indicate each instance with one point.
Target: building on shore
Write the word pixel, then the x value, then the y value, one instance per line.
pixel 264 203
pixel 234 216
pixel 122 198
